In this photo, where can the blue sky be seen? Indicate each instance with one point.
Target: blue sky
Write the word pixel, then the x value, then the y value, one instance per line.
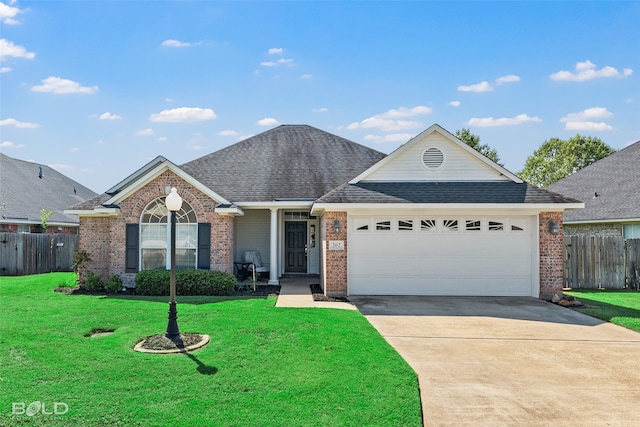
pixel 96 89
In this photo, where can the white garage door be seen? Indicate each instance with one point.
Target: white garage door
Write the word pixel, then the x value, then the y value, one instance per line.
pixel 441 255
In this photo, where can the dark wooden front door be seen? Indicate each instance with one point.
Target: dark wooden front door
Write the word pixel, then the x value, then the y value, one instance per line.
pixel 296 244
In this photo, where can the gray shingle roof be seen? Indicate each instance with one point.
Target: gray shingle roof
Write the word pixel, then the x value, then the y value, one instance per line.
pixel 287 162
pixel 23 193
pixel 442 192
pixel 616 181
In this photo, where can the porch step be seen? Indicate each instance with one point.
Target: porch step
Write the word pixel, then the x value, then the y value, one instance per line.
pixel 300 276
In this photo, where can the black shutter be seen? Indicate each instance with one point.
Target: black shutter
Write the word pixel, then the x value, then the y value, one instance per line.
pixel 204 245
pixel 131 248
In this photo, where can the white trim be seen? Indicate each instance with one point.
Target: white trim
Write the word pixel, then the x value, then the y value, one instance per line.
pixel 93 212
pixel 230 211
pixel 530 208
pixel 289 204
pixel 602 221
pixel 440 130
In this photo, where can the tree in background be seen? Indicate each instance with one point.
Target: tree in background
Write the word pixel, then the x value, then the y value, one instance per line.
pixel 557 158
pixel 473 141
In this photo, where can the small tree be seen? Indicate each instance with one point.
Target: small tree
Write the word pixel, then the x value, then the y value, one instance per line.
pixel 44 217
pixel 473 141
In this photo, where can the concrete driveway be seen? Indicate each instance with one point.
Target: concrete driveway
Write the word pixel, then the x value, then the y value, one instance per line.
pixel 512 361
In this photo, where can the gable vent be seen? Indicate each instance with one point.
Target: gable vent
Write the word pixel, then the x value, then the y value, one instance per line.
pixel 432 158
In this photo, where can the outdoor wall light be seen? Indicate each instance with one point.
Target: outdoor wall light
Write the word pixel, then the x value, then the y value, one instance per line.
pixel 336 226
pixel 174 204
pixel 554 227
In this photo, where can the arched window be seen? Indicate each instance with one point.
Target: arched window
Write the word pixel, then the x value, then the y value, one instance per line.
pixel 155 235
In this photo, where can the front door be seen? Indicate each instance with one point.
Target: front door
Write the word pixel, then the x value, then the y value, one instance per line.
pixel 296 246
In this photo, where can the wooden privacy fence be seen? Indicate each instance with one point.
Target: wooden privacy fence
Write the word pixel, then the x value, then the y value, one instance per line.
pixel 23 254
pixel 601 262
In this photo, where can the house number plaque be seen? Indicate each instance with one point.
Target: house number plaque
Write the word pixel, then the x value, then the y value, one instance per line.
pixel 336 245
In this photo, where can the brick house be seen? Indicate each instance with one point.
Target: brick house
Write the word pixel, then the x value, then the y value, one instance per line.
pixel 27 187
pixel 609 188
pixel 434 217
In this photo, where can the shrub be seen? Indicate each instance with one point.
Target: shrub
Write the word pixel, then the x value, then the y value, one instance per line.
pixel 93 283
pixel 188 282
pixel 113 285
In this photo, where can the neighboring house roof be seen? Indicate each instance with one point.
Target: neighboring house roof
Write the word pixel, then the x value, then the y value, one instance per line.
pixel 501 192
pixel 26 188
pixel 610 188
pixel 287 162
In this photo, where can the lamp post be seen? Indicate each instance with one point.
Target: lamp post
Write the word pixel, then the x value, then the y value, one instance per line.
pixel 174 204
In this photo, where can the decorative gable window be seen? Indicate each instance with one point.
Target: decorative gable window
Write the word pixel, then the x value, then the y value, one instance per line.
pixel 155 236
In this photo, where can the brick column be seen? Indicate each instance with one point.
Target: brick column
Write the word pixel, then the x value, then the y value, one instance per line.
pixel 551 256
pixel 334 268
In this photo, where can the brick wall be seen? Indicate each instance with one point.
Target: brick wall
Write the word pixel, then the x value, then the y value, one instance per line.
pixel 599 230
pixel 334 263
pixel 551 256
pixel 104 237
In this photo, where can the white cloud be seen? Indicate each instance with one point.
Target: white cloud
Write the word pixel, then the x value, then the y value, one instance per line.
pixel 8 14
pixel 478 87
pixel 58 85
pixel 389 120
pixel 588 114
pixel 588 126
pixel 75 150
pixel 8 49
pixel 267 121
pixel 511 78
pixel 320 110
pixel 5 69
pixel 584 120
pixel 18 124
pixel 587 71
pixel 162 139
pixel 175 43
pixel 392 137
pixel 276 51
pixel 145 132
pixel 168 100
pixel 503 121
pixel 306 76
pixel 184 115
pixel 454 103
pixel 281 61
pixel 108 116
pixel 9 144
pixel 227 132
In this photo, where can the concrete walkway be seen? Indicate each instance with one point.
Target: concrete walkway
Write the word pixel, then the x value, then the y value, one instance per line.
pixel 296 293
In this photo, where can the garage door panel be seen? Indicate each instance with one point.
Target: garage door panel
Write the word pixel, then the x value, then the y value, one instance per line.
pixel 461 262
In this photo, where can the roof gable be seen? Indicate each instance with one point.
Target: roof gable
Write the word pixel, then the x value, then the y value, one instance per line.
pixel 151 171
pixel 435 155
pixel 609 187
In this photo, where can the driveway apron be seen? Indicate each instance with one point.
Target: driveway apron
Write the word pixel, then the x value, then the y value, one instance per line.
pixel 492 361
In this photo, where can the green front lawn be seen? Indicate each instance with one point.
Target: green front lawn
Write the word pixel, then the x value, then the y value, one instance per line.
pixel 619 307
pixel 264 366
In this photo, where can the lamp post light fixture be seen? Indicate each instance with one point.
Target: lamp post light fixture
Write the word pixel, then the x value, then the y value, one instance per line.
pixel 174 204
